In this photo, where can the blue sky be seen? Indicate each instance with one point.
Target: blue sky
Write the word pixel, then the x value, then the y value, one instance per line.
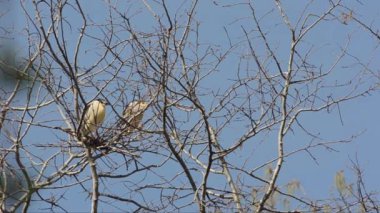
pixel 359 115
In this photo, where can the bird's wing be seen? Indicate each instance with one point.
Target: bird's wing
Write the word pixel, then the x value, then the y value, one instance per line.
pixel 94 117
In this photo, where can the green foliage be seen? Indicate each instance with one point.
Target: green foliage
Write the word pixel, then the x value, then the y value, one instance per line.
pixel 340 183
pixel 291 189
pixel 327 209
pixel 12 67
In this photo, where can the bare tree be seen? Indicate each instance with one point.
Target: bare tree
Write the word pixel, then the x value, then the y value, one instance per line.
pixel 193 149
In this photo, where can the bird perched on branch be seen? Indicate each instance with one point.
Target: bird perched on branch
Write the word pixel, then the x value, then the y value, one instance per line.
pixel 132 116
pixel 94 116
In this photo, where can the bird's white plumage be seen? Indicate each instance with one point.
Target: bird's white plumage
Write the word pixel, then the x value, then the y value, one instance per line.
pixel 94 116
pixel 133 114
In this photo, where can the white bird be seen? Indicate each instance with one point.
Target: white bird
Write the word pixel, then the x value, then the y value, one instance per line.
pixel 133 114
pixel 95 113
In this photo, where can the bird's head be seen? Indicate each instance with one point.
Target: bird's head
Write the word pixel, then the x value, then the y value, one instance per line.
pixel 136 107
pixel 102 101
pixel 140 104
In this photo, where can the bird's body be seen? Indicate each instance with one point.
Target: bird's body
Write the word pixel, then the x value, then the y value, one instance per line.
pixel 94 116
pixel 133 114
